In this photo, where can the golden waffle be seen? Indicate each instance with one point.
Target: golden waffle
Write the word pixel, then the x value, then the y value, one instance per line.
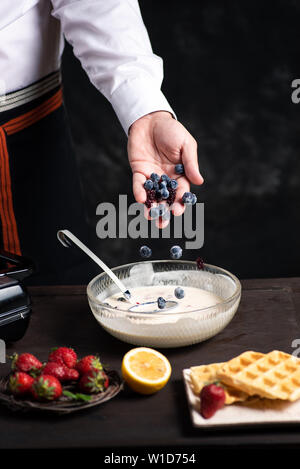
pixel 275 375
pixel 204 374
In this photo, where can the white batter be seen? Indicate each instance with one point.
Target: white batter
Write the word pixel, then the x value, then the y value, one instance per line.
pixel 195 298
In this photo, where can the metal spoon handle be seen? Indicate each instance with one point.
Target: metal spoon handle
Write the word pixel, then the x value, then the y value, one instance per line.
pixel 67 238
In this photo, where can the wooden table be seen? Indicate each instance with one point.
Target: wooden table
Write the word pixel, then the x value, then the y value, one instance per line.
pixel 268 318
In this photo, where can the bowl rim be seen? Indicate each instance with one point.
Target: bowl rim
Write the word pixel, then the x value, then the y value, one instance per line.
pixel 143 315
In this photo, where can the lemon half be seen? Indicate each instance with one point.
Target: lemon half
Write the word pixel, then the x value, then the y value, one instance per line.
pixel 145 370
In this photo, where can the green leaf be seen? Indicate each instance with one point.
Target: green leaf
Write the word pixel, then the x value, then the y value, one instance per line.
pixel 78 396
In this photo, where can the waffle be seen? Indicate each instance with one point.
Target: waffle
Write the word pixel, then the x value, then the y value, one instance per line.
pixel 204 374
pixel 275 375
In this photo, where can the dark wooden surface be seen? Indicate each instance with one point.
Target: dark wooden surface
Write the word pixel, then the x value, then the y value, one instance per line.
pixel 268 318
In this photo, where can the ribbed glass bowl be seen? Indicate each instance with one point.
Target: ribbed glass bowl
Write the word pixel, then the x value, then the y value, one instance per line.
pixel 173 329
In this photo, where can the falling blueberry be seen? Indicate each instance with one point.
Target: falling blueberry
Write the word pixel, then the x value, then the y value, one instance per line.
pixel 161 302
pixel 189 198
pixel 179 169
pixel 154 213
pixel 145 251
pixel 176 252
pixel 148 184
pixel 155 177
pixel 179 292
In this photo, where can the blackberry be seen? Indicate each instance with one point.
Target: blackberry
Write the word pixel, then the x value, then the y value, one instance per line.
pixel 176 252
pixel 200 263
pixel 179 169
pixel 161 302
pixel 172 196
pixel 145 251
pixel 150 198
pixel 179 293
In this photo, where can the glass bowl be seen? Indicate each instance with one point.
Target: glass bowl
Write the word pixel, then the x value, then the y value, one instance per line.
pixel 175 328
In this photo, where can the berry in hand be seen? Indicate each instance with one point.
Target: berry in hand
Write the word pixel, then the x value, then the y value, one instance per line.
pixel 173 184
pixel 148 184
pixel 179 293
pixel 179 169
pixel 46 388
pixel 176 252
pixel 161 302
pixel 63 355
pixel 26 362
pixel 212 398
pixel 164 193
pixel 155 177
pixel 20 383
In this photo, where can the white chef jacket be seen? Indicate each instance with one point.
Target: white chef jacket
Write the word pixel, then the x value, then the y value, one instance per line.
pixel 108 37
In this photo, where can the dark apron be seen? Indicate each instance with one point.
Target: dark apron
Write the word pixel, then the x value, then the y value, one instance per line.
pixel 39 188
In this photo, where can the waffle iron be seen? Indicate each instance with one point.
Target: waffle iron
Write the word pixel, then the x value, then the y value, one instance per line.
pixel 15 303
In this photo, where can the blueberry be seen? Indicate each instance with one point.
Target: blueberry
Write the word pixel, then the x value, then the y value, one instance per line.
pixel 173 184
pixel 166 215
pixel 165 178
pixel 154 213
pixel 189 198
pixel 162 209
pixel 162 185
pixel 155 177
pixel 161 302
pixel 176 252
pixel 179 293
pixel 145 251
pixel 148 184
pixel 179 169
pixel 164 193
pixel 156 186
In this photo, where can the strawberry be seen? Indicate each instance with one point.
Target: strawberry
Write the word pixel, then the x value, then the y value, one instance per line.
pixel 61 372
pixel 46 387
pixel 20 383
pixel 26 362
pixel 71 374
pixel 63 355
pixel 212 399
pixel 88 363
pixel 93 382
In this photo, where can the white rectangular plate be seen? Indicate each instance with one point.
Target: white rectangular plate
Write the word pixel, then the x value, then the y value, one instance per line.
pixel 262 411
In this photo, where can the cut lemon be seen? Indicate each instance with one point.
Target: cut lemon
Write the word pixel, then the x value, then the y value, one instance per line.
pixel 145 370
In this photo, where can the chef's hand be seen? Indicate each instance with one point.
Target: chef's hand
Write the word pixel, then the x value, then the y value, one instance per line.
pixel 156 143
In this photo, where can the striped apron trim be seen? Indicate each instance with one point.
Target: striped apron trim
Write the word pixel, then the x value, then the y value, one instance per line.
pixel 11 242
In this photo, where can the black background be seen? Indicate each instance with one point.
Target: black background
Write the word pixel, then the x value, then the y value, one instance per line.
pixel 228 73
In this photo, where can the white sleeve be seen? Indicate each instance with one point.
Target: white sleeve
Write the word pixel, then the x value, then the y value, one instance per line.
pixel 111 42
